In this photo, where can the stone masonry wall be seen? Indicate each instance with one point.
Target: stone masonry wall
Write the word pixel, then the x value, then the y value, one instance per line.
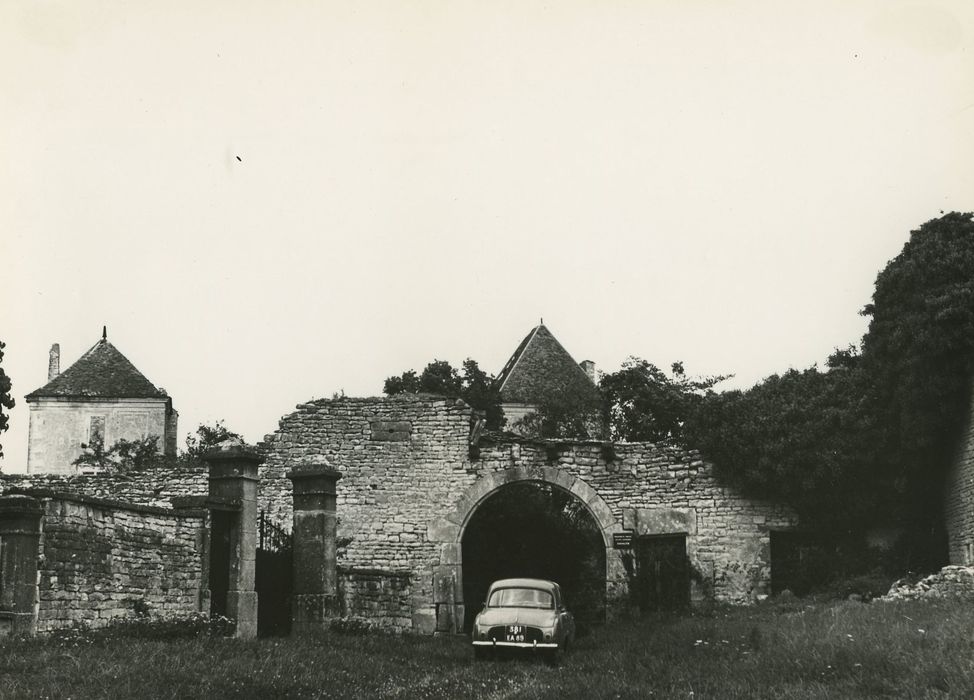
pixel 380 598
pixel 398 458
pixel 406 465
pixel 959 499
pixel 151 487
pixel 102 560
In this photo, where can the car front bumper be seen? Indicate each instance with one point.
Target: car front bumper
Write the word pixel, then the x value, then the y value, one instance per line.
pixel 518 645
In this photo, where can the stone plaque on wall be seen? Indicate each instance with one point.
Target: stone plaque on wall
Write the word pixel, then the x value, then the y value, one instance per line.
pixel 391 430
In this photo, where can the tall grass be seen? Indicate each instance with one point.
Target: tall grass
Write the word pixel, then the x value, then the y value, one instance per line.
pixel 847 650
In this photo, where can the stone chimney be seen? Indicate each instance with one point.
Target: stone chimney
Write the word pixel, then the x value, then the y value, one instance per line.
pixel 54 362
pixel 589 368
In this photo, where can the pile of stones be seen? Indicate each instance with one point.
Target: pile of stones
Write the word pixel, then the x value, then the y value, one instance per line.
pixel 950 582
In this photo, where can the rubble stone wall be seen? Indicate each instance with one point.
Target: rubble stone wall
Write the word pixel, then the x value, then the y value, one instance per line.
pixel 956 582
pixel 959 499
pixel 380 598
pixel 150 487
pixel 101 560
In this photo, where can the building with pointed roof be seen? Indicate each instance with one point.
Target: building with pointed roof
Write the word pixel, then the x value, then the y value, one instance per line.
pixel 102 395
pixel 541 370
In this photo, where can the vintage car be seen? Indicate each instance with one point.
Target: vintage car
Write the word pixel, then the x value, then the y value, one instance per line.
pixel 523 613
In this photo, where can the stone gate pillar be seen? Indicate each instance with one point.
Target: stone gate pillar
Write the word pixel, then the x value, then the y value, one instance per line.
pixel 20 531
pixel 315 593
pixel 233 479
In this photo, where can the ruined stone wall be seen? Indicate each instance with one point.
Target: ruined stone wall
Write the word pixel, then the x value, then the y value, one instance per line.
pixel 406 466
pixel 959 499
pixel 659 489
pixel 101 560
pixel 380 598
pixel 151 487
pixel 401 458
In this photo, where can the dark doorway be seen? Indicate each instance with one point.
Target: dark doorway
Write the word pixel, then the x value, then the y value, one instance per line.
pixel 662 573
pixel 801 561
pixel 221 524
pixel 273 579
pixel 535 530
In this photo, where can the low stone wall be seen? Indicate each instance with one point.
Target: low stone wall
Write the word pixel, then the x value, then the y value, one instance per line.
pixel 152 487
pixel 379 598
pixel 101 560
pixel 956 582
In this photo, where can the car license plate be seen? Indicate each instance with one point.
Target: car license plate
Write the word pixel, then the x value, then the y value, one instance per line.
pixel 515 633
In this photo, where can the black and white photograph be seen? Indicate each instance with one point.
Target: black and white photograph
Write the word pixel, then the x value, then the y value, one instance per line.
pixel 451 349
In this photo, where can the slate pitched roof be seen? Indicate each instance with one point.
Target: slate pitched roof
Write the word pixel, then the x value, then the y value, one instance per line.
pixel 102 372
pixel 540 367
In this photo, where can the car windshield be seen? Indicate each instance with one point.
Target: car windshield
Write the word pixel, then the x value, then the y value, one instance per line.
pixel 521 598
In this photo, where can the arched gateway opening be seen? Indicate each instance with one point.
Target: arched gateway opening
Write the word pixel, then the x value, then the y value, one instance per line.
pixel 456 602
pixel 532 529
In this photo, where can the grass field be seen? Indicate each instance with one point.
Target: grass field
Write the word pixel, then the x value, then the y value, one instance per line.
pixel 847 650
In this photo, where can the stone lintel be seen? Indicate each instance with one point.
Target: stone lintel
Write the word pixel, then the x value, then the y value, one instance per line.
pixel 664 521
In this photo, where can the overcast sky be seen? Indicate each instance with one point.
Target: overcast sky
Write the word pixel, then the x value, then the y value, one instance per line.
pixel 267 202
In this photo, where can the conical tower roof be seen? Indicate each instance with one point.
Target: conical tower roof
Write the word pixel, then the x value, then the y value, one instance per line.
pixel 102 372
pixel 540 367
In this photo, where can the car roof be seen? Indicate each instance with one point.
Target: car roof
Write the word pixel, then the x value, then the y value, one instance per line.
pixel 524 583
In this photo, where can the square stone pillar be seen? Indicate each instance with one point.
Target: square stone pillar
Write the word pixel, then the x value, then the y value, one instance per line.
pixel 233 479
pixel 20 531
pixel 315 593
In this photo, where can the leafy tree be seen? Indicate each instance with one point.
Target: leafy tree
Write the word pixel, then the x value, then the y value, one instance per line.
pixel 472 384
pixel 643 404
pixel 122 457
pixel 134 455
pixel 6 400
pixel 803 436
pixel 919 355
pixel 871 438
pixel 564 413
pixel 205 438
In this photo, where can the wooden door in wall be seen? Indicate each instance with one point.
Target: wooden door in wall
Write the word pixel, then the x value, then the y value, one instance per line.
pixel 662 573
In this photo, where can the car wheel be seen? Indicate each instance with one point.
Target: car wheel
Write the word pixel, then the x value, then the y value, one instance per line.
pixel 480 653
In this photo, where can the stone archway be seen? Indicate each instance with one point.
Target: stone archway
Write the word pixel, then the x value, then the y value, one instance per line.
pixel 447 532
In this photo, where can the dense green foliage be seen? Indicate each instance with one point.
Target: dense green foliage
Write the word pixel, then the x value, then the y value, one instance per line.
pixel 918 356
pixel 869 439
pixel 6 400
pixel 642 404
pixel 784 652
pixel 205 438
pixel 135 455
pixel 564 414
pixel 123 456
pixel 637 403
pixel 471 384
